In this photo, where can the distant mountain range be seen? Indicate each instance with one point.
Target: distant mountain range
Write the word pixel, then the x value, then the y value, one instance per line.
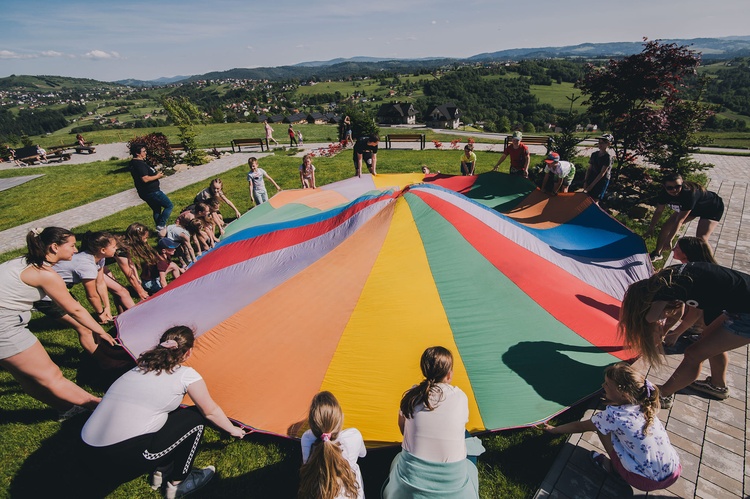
pixel 711 48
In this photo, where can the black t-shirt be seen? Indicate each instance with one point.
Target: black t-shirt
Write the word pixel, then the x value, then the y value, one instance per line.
pixel 140 169
pixel 708 287
pixel 363 148
pixel 699 203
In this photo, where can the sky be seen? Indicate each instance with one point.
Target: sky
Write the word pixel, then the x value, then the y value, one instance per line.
pixel 112 40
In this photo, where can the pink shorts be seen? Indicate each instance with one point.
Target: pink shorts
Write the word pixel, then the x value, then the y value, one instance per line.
pixel 640 482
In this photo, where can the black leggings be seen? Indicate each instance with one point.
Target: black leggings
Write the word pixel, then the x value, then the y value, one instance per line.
pixel 170 450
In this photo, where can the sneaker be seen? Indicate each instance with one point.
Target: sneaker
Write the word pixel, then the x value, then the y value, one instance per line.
pixel 706 386
pixel 156 480
pixel 666 402
pixel 72 412
pixel 655 257
pixel 194 481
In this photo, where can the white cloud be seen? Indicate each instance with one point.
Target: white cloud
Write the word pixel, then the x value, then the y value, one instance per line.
pixel 7 54
pixel 100 54
pixel 54 53
pixel 433 22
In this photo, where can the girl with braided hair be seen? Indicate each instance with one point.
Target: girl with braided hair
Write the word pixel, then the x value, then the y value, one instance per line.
pixel 329 454
pixel 139 424
pixel 635 440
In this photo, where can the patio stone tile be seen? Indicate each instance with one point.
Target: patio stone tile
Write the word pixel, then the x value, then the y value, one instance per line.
pixel 684 445
pixel 577 484
pixel 718 458
pixel 690 466
pixel 686 413
pixel 722 439
pixel 683 487
pixel 688 432
pixel 720 479
pixel 727 414
pixel 707 490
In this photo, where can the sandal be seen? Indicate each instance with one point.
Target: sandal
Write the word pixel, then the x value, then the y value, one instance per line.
pixel 705 386
pixel 599 460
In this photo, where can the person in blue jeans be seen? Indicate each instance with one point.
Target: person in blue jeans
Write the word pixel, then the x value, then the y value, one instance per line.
pixel 146 180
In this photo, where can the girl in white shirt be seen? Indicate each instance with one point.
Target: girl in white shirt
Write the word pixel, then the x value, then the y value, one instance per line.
pixel 634 438
pixel 329 454
pixel 434 413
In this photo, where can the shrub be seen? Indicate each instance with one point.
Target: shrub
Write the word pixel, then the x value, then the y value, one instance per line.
pixel 157 147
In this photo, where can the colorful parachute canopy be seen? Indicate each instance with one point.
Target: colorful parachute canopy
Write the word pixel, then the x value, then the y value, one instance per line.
pixel 341 288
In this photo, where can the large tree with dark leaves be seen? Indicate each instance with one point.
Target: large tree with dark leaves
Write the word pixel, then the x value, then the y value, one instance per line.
pixel 639 98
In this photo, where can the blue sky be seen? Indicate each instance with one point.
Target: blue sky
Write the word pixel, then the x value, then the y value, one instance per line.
pixel 110 40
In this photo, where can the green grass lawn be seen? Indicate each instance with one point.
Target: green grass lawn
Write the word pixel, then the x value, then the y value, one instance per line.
pixel 557 96
pixel 40 457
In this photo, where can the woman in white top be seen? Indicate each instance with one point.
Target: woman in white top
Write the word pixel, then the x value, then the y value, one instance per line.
pixel 139 426
pixel 24 281
pixel 434 413
pixel 329 454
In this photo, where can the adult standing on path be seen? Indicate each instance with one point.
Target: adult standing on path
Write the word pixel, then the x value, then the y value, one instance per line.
pixel 146 180
pixel 292 136
pixel 519 156
pixel 269 134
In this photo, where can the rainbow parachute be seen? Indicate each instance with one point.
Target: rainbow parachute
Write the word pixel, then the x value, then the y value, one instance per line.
pixel 341 288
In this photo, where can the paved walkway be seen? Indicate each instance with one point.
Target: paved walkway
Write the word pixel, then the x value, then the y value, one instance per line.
pixel 710 435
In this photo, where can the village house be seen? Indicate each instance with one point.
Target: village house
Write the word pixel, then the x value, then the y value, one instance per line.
pixel 397 113
pixel 444 116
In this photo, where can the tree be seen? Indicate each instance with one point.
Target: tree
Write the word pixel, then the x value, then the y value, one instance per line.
pixel 639 98
pixel 184 114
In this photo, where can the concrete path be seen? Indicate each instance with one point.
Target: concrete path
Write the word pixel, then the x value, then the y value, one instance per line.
pixel 710 435
pixel 15 238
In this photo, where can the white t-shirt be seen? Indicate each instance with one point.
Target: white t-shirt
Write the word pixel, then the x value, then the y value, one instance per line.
pixel 178 233
pixel 439 435
pixel 352 446
pixel 81 267
pixel 561 169
pixel 136 404
pixel 648 455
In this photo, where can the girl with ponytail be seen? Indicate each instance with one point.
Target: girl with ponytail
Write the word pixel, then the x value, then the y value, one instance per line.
pixel 329 454
pixel 634 438
pixel 24 281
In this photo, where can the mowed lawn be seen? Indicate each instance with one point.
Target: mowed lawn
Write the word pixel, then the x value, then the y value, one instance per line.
pixel 40 457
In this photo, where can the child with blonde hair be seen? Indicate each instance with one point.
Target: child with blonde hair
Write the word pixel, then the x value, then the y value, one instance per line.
pixel 329 454
pixel 635 440
pixel 307 172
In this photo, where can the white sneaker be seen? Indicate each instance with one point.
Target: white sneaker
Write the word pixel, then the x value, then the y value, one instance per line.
pixel 156 480
pixel 72 412
pixel 194 481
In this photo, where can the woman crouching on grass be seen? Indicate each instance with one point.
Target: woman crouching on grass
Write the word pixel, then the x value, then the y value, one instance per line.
pixel 634 438
pixel 139 427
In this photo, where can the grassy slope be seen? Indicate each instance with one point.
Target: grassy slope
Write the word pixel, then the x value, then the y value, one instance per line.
pixel 33 445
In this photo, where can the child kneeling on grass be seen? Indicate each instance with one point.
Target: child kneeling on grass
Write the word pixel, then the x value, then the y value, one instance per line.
pixel 634 438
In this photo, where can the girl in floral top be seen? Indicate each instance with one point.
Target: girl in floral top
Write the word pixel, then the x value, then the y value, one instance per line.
pixel 635 439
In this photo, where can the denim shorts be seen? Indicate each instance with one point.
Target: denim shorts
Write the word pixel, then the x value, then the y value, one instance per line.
pixel 738 323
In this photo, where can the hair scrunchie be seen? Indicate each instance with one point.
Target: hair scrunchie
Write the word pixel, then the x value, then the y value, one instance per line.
pixel 37 231
pixel 326 437
pixel 649 387
pixel 169 344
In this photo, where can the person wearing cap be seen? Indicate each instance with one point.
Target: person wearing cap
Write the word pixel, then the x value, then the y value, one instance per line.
pixel 164 264
pixel 600 166
pixel 519 156
pixel 562 173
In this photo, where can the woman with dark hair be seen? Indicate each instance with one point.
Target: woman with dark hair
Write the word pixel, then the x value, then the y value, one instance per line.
pixel 688 200
pixel 140 427
pixel 722 294
pixel 135 254
pixel 24 281
pixel 688 249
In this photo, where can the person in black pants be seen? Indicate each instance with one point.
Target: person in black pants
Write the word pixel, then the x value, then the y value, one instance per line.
pixel 146 180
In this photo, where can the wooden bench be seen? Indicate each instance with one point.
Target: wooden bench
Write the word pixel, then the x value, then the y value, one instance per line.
pixel 247 142
pixel 407 137
pixel 75 145
pixel 176 147
pixel 534 140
